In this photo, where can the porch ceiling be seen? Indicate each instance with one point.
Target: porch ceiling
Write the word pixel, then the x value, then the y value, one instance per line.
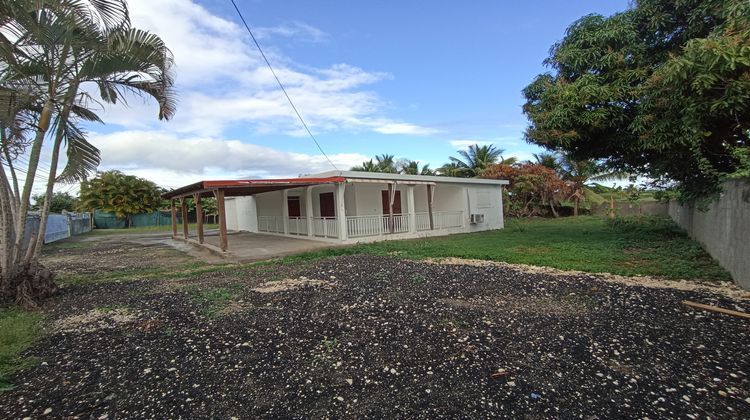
pixel 245 187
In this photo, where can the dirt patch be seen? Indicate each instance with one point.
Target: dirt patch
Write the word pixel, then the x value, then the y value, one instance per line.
pixel 289 284
pixel 95 320
pixel 725 288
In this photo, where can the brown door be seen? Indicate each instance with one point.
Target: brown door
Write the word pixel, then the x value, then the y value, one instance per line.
pixel 294 207
pixel 396 202
pixel 327 208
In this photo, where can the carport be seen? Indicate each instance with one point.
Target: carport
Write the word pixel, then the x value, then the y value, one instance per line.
pixel 220 190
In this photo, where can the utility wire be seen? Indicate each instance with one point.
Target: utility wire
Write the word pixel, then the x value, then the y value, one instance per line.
pixel 302 120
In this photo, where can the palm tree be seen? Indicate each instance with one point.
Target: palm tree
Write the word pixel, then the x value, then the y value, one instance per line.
pixel 383 163
pixel 477 158
pixel 578 173
pixel 451 169
pixel 386 163
pixel 49 51
pixel 411 167
pixel 548 160
pixel 368 166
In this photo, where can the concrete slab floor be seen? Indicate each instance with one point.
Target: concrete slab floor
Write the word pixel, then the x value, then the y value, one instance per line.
pixel 248 247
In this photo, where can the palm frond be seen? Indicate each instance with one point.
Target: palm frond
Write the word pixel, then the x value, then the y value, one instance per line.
pixel 83 157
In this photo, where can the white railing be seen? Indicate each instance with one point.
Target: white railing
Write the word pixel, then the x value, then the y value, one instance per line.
pixel 326 227
pixel 297 226
pixel 374 225
pixel 423 221
pixel 358 226
pixel 272 224
pixel 400 223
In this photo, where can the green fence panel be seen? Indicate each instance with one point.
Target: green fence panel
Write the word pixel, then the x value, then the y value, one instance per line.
pixel 106 220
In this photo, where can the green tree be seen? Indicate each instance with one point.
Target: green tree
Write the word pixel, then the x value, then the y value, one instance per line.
pixel 383 163
pixel 411 167
pixel 451 169
pixel 548 160
pixel 477 158
pixel 49 51
pixel 123 195
pixel 60 201
pixel 661 89
pixel 579 173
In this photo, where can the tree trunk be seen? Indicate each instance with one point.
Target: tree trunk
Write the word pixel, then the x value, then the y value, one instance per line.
pixel 575 205
pixel 552 207
pixel 22 278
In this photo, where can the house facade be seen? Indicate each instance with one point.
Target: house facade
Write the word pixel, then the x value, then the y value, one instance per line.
pixel 374 206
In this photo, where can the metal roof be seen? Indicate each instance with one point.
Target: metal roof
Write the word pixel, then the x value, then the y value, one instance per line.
pixel 243 187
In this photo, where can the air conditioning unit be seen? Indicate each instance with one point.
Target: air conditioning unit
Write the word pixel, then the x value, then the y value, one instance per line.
pixel 477 218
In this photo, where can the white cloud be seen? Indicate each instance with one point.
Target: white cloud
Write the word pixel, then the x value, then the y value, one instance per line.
pixel 298 30
pixel 222 80
pixel 389 127
pixel 173 161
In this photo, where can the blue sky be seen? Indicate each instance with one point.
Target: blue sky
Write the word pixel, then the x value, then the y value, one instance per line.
pixel 415 79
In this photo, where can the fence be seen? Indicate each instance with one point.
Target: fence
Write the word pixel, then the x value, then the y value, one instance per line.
pixel 108 220
pixel 59 226
pixel 723 229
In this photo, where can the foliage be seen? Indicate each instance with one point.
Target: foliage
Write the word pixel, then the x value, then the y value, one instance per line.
pixel 124 195
pixel 533 189
pixel 18 330
pixel 578 173
pixel 62 59
pixel 411 167
pixel 475 159
pixel 651 246
pixel 662 90
pixel 60 201
pixel 383 163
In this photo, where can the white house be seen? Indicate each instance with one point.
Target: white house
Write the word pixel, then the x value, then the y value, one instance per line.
pixel 350 207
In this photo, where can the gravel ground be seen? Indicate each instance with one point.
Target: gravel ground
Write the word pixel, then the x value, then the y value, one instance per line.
pixel 366 336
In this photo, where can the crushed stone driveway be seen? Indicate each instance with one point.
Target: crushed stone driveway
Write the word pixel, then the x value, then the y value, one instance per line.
pixel 381 337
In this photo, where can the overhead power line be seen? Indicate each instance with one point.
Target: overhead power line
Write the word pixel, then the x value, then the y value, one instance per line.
pixel 281 85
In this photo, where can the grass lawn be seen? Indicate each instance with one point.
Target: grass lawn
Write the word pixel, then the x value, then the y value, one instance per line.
pixel 18 330
pixel 146 229
pixel 628 246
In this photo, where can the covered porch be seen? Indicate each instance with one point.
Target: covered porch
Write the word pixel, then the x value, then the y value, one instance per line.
pixel 222 191
pixel 360 210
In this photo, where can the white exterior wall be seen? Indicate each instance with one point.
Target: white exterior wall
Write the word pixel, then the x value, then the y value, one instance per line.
pixel 247 215
pixel 486 200
pixel 230 206
pixel 365 199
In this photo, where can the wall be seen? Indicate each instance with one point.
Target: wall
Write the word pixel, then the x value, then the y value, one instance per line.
pixel 486 200
pixel 723 230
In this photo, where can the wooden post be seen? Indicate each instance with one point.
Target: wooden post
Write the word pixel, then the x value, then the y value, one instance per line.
pixel 183 204
pixel 429 207
pixel 223 243
pixel 174 219
pixel 199 216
